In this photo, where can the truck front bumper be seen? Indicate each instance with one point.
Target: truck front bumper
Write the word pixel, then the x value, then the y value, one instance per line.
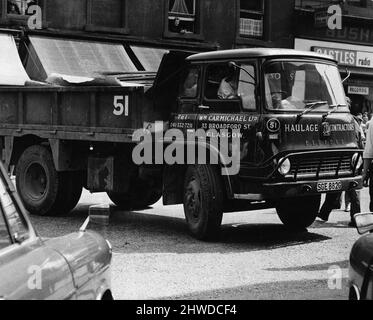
pixel 271 191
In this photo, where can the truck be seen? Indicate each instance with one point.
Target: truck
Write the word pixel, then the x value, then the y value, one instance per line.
pixel 297 138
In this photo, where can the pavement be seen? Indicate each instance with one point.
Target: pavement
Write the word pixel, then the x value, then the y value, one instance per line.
pixel 255 258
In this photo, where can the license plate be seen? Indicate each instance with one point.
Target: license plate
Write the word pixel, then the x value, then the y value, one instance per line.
pixel 329 186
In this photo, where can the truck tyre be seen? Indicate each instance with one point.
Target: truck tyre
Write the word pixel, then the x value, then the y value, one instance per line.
pixel 203 201
pixel 42 189
pixel 140 196
pixel 298 213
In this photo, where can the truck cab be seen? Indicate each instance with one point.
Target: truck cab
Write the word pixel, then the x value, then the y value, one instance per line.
pixel 298 139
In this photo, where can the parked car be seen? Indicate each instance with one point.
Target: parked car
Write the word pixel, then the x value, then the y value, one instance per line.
pixel 76 266
pixel 361 260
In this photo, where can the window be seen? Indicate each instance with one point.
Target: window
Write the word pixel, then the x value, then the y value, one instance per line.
pixel 247 86
pixel 297 85
pixel 221 82
pixel 17 12
pixel 5 240
pixel 189 88
pixel 20 7
pixel 16 222
pixel 106 15
pixel 182 16
pixel 224 82
pixel 251 18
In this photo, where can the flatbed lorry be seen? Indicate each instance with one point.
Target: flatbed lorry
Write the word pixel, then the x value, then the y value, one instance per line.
pixel 297 138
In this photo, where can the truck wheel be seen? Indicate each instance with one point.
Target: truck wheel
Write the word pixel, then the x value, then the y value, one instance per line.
pixel 42 189
pixel 141 196
pixel 203 201
pixel 298 213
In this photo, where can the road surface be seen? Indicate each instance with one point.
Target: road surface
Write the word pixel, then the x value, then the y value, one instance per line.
pixel 256 257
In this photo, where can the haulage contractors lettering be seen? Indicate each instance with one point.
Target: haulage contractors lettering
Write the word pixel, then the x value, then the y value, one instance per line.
pixel 316 127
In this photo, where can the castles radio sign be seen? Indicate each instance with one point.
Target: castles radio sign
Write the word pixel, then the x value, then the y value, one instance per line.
pixel 350 58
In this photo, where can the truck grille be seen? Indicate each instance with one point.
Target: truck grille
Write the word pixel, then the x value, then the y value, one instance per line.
pixel 319 166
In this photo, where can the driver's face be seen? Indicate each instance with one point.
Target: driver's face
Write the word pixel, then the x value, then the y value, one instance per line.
pixel 276 100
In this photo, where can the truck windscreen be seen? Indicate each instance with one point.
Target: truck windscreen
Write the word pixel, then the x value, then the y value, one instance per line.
pixel 296 85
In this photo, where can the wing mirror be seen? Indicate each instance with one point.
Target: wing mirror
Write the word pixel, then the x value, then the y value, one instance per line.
pixel 364 222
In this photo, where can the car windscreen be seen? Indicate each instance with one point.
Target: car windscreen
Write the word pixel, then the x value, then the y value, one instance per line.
pixel 5 240
pixel 295 85
pixel 16 222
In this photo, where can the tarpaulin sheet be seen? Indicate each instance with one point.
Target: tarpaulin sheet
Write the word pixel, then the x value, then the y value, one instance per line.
pixel 12 72
pixel 75 58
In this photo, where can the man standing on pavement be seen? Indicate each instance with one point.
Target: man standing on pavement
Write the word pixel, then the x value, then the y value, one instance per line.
pixel 368 168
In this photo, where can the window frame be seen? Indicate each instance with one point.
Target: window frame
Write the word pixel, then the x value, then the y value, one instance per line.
pixel 199 81
pixel 21 20
pixel 6 222
pixel 263 90
pixel 198 35
pixel 123 29
pixel 239 101
pixel 261 13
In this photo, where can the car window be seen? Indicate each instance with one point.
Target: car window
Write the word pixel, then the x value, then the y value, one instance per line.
pixel 189 88
pixel 246 87
pixel 4 233
pixel 17 224
pixel 221 82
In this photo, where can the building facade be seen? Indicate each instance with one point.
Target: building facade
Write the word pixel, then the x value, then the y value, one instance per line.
pixel 185 24
pixel 351 46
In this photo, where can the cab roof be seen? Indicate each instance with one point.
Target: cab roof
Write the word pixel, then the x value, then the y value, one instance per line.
pixel 256 53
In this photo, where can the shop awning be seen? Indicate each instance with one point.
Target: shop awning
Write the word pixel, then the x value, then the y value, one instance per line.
pixel 150 58
pixel 11 69
pixel 79 58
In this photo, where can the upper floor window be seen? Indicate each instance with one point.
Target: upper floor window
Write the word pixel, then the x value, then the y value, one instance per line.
pixel 251 18
pixel 107 15
pixel 20 7
pixel 182 16
pixel 21 12
pixel 356 8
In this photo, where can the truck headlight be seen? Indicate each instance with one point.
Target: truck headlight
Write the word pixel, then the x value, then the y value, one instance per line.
pixel 357 161
pixel 285 166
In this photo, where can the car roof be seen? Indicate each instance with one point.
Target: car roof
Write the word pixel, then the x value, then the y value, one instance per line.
pixel 256 53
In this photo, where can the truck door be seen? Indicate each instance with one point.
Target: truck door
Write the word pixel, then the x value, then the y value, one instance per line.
pixel 188 101
pixel 229 102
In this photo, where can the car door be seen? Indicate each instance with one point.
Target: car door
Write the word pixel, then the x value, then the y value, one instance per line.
pixel 229 102
pixel 28 269
pixel 188 101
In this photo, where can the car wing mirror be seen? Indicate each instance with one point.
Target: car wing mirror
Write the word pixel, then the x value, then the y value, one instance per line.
pixel 364 222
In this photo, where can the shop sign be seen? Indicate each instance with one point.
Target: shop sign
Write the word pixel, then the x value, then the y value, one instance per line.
pixel 351 58
pixel 364 91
